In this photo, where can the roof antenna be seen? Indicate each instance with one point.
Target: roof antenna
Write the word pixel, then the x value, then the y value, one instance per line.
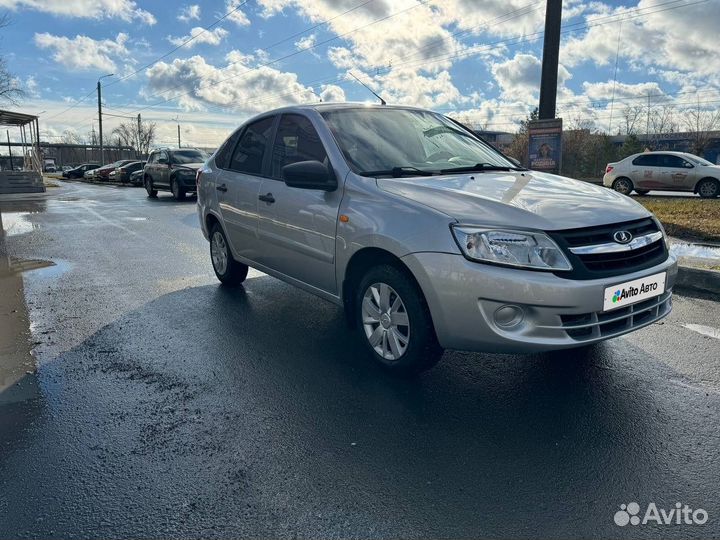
pixel 382 101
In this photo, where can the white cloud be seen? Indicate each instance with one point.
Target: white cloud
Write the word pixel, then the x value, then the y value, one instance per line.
pixel 84 53
pixel 201 36
pixel 236 86
pixel 306 43
pixel 519 77
pixel 189 13
pixel 126 10
pixel 237 16
pixel 31 87
pixel 332 93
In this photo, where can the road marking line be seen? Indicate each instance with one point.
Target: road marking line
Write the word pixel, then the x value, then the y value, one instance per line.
pixel 704 330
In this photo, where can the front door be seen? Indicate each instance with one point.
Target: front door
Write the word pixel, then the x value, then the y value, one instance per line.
pixel 297 227
pixel 678 173
pixel 238 187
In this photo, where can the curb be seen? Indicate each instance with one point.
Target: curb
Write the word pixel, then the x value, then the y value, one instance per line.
pixel 698 280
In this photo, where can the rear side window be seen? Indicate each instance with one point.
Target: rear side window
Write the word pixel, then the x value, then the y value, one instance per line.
pixel 296 140
pixel 250 151
pixel 648 160
pixel 222 158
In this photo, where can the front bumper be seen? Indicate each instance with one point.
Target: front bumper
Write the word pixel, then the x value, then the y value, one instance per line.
pixel 558 313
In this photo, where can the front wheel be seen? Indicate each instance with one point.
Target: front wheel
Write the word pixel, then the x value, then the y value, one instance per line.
pixel 228 270
pixel 176 190
pixel 395 323
pixel 708 188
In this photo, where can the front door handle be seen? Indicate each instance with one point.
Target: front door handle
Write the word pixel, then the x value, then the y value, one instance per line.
pixel 267 198
pixel 222 188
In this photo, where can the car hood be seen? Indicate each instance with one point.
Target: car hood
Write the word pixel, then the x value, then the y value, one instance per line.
pixel 526 199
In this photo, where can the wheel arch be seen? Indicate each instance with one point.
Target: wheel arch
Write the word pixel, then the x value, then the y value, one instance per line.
pixel 360 262
pixel 695 189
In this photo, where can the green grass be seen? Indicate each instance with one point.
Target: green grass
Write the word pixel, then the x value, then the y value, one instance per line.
pixel 690 219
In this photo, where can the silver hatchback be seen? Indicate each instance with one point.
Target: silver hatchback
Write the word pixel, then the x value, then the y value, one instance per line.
pixel 429 237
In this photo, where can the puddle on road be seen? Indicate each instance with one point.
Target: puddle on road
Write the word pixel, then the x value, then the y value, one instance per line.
pixel 16 223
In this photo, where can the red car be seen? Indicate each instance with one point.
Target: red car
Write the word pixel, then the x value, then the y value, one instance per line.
pixel 103 172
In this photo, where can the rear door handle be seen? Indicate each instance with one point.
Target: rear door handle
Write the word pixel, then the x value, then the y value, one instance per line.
pixel 222 188
pixel 267 198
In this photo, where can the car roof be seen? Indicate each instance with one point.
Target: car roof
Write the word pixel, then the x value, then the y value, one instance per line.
pixel 345 105
pixel 671 152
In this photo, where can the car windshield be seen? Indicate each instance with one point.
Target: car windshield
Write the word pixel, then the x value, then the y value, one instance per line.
pixel 407 142
pixel 699 160
pixel 189 156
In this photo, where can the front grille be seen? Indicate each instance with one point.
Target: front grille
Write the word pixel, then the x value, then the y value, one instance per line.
pixel 600 265
pixel 587 326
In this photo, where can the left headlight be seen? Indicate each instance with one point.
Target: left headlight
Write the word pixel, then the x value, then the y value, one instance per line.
pixel 524 249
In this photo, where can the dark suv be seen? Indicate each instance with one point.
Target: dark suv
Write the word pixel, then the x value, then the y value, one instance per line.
pixel 173 169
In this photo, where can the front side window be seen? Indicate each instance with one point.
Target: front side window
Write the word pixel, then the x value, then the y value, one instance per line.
pixel 375 140
pixel 152 158
pixel 296 140
pixel 250 151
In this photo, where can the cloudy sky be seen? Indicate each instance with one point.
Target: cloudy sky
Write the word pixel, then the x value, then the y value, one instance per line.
pixel 213 63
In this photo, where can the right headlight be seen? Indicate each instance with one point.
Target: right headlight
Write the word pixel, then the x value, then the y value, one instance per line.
pixel 523 249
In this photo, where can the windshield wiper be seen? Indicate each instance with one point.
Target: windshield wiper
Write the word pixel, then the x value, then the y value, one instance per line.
pixel 397 172
pixel 479 167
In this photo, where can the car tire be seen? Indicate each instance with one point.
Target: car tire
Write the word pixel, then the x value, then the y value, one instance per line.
pixel 394 322
pixel 708 188
pixel 151 191
pixel 642 191
pixel 177 192
pixel 623 185
pixel 230 272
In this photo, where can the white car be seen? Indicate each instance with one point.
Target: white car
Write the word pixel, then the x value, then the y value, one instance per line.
pixel 666 171
pixel 89 175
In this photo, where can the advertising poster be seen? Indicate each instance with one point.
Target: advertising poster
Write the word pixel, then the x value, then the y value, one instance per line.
pixel 545 139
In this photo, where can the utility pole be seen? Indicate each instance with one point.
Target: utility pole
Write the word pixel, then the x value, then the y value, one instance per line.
pixel 178 135
pixel 139 142
pixel 551 54
pixel 647 121
pixel 99 95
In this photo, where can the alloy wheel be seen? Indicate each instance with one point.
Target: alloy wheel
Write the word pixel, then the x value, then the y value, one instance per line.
pixel 385 321
pixel 218 252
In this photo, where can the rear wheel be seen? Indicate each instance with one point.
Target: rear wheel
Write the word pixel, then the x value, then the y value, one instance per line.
pixel 176 190
pixel 151 191
pixel 623 185
pixel 708 188
pixel 395 323
pixel 642 191
pixel 229 271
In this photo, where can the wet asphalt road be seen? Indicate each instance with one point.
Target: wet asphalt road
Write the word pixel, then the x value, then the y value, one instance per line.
pixel 171 407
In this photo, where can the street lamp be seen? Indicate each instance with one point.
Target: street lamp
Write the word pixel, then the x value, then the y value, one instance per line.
pixel 102 155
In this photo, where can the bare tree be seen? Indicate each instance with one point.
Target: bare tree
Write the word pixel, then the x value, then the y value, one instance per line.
pixel 700 123
pixel 631 118
pixel 70 136
pixel 10 91
pixel 139 137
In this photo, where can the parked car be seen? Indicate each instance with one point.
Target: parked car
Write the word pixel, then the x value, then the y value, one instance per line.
pixel 122 174
pixel 173 169
pixel 50 168
pixel 103 173
pixel 89 174
pixel 136 178
pixel 667 171
pixel 80 170
pixel 429 237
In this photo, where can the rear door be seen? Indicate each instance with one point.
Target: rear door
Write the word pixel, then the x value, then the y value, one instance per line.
pixel 297 227
pixel 646 172
pixel 238 185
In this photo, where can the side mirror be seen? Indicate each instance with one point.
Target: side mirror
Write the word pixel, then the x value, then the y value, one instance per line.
pixel 162 161
pixel 309 175
pixel 688 165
